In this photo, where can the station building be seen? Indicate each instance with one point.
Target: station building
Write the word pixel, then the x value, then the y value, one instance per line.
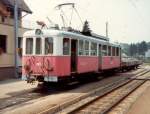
pixel 7 39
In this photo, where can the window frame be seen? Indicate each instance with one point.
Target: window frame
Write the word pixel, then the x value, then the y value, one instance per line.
pixel 109 50
pixel 69 47
pixel 41 46
pixel 87 50
pixel 20 42
pixel 106 50
pixel 94 50
pixel 5 47
pixel 33 45
pixel 44 47
pixel 113 51
pixel 117 51
pixel 83 48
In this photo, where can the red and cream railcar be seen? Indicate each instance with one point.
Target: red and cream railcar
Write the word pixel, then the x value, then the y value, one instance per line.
pixel 52 55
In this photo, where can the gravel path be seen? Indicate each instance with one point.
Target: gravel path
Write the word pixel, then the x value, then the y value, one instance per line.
pixel 13 87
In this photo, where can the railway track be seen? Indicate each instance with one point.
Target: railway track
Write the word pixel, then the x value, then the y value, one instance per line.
pixel 101 103
pixel 74 104
pixel 36 93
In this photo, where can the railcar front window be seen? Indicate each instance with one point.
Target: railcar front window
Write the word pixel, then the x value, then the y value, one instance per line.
pixel 29 46
pixel 48 45
pixel 38 46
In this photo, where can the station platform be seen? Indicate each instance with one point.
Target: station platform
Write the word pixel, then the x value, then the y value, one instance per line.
pixel 142 104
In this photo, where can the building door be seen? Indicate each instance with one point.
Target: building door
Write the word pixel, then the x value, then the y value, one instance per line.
pixel 73 55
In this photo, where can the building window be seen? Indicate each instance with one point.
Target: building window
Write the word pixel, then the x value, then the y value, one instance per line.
pixel 94 49
pixel 3 43
pixel 19 42
pixel 66 46
pixel 11 11
pixel 38 46
pixel 86 47
pixel 104 50
pixel 49 45
pixel 2 19
pixel 29 46
pixel 81 47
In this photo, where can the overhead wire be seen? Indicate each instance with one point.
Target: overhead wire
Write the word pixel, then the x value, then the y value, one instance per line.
pixel 64 15
pixel 137 9
pixel 71 17
pixel 78 15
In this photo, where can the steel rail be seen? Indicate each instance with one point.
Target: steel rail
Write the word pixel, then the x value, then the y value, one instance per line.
pixel 87 105
pixel 102 90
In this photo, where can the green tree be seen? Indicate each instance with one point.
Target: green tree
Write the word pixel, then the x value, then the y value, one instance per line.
pixel 86 29
pixel 131 49
pixel 142 48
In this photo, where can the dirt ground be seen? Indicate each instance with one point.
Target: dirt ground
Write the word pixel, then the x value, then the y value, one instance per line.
pixel 142 105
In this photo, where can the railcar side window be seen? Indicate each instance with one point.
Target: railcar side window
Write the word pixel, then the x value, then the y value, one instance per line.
pixel 109 50
pixel 86 47
pixel 48 45
pixel 81 47
pixel 29 46
pixel 113 51
pixel 117 51
pixel 104 50
pixel 94 49
pixel 66 46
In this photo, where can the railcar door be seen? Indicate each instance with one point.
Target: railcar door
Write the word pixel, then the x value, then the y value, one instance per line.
pixel 73 55
pixel 100 57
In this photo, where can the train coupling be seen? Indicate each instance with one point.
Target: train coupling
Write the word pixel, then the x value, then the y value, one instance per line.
pixel 31 80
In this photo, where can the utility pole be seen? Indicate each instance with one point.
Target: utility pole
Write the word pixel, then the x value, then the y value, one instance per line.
pixel 16 37
pixel 107 29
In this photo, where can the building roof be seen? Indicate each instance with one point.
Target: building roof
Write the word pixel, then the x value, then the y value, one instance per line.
pixel 21 5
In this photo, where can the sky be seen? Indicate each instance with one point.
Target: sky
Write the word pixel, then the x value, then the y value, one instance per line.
pixel 128 20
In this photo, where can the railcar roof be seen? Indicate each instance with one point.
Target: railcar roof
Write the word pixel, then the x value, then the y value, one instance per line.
pixel 48 33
